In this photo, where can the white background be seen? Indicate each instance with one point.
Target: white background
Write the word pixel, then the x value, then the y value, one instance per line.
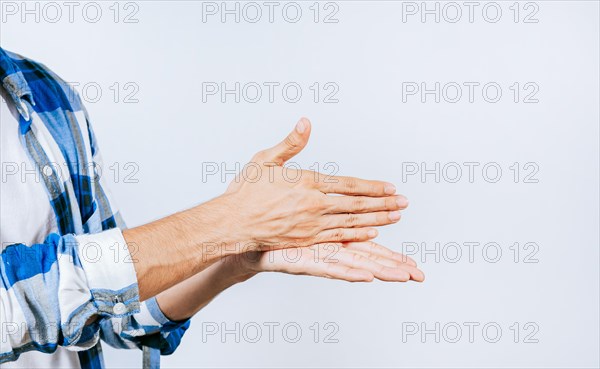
pixel 370 132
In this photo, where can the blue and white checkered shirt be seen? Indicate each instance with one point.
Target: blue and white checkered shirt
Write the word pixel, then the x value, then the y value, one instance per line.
pixel 68 280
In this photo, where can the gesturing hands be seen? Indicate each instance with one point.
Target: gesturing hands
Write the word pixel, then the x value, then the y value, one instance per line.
pixel 269 208
pixel 285 221
pixel 299 229
pixel 278 212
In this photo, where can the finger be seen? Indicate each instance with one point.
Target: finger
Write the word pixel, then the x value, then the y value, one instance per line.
pixel 377 249
pixel 319 261
pixel 354 186
pixel 383 268
pixel 416 274
pixel 345 273
pixel 295 142
pixel 345 235
pixel 380 271
pixel 391 267
pixel 325 265
pixel 364 204
pixel 392 263
pixel 380 218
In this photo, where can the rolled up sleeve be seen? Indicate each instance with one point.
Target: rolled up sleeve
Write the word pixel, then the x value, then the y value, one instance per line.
pixel 149 327
pixel 59 292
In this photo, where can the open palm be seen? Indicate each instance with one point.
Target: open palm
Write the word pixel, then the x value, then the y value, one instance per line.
pixel 352 261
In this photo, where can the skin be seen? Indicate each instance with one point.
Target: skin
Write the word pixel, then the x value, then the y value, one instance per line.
pixel 261 216
pixel 352 262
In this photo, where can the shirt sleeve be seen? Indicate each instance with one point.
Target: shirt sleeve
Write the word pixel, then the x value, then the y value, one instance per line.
pixel 149 327
pixel 59 292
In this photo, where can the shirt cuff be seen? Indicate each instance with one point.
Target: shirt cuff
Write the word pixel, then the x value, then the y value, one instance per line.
pixel 110 273
pixel 151 315
pixel 98 279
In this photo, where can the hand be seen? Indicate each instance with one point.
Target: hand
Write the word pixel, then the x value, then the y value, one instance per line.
pixel 352 262
pixel 279 207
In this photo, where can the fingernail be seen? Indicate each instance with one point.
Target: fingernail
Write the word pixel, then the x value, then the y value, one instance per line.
pixel 372 233
pixel 394 216
pixel 301 126
pixel 402 201
pixel 390 189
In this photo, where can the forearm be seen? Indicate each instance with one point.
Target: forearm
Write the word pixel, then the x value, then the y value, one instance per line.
pixel 171 250
pixel 185 299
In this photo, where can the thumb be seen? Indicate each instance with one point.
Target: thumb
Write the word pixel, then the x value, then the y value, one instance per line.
pixel 288 148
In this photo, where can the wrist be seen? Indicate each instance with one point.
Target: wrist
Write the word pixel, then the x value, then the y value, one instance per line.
pixel 215 230
pixel 240 268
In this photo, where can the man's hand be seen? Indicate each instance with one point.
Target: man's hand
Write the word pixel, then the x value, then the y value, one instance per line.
pixel 352 262
pixel 283 207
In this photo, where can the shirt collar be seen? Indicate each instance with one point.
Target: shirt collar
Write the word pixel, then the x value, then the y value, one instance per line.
pixel 15 84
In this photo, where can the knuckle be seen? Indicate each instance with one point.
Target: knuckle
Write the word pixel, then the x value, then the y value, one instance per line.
pixel 359 204
pixel 382 218
pixel 326 204
pixel 292 142
pixel 314 236
pixel 320 203
pixel 338 234
pixel 312 207
pixel 351 220
pixel 350 183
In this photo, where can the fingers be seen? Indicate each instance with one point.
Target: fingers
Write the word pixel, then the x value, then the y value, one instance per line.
pixel 353 262
pixel 354 186
pixel 380 218
pixel 415 274
pixel 379 271
pixel 288 148
pixel 346 273
pixel 345 235
pixel 364 204
pixel 380 261
pixel 373 249
pixel 385 268
pixel 317 260
pixel 387 257
pixel 326 265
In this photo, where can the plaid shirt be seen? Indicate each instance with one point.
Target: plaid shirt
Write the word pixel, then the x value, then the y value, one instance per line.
pixel 52 284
